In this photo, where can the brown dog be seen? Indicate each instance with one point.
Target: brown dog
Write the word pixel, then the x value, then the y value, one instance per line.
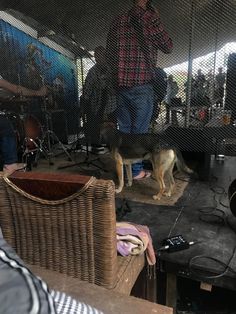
pixel 127 149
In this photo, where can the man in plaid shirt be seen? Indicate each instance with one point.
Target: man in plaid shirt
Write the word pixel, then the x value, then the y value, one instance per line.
pixel 132 61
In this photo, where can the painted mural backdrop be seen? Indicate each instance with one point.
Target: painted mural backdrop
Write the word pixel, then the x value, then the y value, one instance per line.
pixel 26 61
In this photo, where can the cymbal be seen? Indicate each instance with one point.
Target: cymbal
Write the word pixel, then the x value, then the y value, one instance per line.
pixel 15 100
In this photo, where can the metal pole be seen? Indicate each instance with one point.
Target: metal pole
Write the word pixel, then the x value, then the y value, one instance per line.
pixel 190 63
pixel 82 71
pixel 219 9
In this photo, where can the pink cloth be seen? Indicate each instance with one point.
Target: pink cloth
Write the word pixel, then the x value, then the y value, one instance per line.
pixel 135 239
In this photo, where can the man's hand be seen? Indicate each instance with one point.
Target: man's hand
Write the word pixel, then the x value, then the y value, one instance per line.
pixel 43 91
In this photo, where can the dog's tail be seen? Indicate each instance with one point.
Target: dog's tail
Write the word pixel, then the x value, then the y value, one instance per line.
pixel 180 163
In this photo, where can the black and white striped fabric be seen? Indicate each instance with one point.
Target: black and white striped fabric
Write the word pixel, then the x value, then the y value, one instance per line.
pixel 67 305
pixel 22 292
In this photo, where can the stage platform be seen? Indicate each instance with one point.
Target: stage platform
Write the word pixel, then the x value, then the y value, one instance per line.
pixel 201 215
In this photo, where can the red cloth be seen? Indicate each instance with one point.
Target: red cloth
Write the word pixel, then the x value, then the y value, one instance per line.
pixel 150 253
pixel 124 53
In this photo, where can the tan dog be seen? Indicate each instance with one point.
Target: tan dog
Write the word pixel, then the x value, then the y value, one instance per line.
pixel 127 149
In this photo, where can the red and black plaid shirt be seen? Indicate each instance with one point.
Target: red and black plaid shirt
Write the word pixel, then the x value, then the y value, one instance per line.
pixel 124 54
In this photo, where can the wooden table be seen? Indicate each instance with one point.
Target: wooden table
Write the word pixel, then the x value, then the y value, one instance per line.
pixel 109 302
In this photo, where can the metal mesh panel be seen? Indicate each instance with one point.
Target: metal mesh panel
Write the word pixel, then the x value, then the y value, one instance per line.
pixel 199 115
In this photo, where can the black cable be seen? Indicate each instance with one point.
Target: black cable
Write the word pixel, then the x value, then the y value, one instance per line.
pixel 181 179
pixel 220 200
pixel 220 191
pixel 213 212
pixel 227 266
pixel 217 190
pixel 207 213
pixel 190 179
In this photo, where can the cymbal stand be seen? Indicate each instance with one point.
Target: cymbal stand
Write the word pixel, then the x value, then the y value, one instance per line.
pixel 49 138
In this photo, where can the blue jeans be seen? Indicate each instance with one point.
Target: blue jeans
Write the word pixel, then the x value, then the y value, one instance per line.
pixel 8 147
pixel 134 112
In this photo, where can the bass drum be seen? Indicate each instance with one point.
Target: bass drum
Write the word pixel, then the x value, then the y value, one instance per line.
pixel 232 197
pixel 32 131
pixel 27 129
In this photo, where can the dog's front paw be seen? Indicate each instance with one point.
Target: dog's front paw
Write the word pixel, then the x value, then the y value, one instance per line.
pixel 118 190
pixel 157 197
pixel 129 183
pixel 168 194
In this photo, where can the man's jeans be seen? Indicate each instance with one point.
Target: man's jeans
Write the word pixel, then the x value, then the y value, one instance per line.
pixel 134 112
pixel 8 147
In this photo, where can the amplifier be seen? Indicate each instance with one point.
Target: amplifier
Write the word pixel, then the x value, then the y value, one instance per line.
pixel 230 97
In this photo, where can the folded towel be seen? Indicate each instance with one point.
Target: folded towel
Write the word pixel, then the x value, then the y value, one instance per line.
pixel 129 245
pixel 134 239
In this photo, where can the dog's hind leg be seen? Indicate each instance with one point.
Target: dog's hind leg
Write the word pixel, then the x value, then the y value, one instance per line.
pixel 128 168
pixel 159 176
pixel 158 172
pixel 170 178
pixel 163 162
pixel 119 171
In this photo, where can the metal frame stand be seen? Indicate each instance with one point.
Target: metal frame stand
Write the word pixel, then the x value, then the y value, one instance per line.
pixel 86 162
pixel 44 145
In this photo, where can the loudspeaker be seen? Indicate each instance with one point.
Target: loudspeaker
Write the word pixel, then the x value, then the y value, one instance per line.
pixel 230 98
pixel 59 124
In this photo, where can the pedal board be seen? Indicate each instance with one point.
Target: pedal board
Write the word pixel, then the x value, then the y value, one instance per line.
pixel 176 243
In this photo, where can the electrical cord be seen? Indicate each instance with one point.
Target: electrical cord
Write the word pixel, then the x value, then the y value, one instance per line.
pixel 209 215
pixel 213 214
pixel 223 205
pixel 217 189
pixel 219 216
pixel 183 179
pixel 226 270
pixel 176 221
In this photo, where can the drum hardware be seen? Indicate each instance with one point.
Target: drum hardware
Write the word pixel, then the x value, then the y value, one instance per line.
pixel 32 139
pixel 90 128
pixel 27 130
pixel 48 139
pixel 30 155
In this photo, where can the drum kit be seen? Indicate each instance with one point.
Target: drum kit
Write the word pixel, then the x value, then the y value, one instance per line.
pixel 33 138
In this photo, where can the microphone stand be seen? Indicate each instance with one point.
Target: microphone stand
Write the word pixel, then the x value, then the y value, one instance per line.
pixel 86 125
